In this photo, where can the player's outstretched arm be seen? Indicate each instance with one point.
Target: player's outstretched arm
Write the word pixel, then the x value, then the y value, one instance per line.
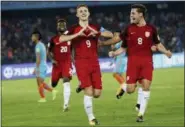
pixel 111 41
pixel 64 38
pixel 103 32
pixel 106 34
pixel 117 52
pixel 163 50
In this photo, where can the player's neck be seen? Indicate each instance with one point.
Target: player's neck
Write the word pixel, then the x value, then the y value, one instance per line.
pixel 36 42
pixel 83 23
pixel 142 23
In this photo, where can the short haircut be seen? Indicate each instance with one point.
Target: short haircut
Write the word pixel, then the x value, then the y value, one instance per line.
pixel 81 5
pixel 140 8
pixel 61 20
pixel 37 33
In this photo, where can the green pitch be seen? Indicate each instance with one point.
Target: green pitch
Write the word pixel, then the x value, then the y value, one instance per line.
pixel 166 105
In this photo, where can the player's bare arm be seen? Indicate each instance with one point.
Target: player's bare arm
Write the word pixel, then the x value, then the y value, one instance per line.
pixel 64 38
pixel 117 52
pixel 163 50
pixel 106 34
pixel 50 53
pixel 111 41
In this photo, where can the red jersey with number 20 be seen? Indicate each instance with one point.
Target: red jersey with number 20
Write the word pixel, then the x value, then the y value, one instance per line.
pixel 61 51
pixel 85 47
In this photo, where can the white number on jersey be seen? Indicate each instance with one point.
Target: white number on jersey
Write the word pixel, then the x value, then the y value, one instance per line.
pixel 88 43
pixel 63 49
pixel 140 41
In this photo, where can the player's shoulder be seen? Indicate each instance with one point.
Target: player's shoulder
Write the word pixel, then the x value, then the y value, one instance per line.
pixel 97 26
pixel 54 37
pixel 151 25
pixel 74 26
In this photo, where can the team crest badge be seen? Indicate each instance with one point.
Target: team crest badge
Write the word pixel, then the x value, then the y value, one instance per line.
pixel 147 34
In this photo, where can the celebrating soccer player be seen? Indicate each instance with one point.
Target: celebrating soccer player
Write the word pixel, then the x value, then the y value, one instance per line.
pixel 138 38
pixel 41 66
pixel 84 38
pixel 60 55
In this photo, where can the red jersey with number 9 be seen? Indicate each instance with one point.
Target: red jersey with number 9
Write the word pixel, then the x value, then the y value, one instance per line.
pixel 61 51
pixel 85 47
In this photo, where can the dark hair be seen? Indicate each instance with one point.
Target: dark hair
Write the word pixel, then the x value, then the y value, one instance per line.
pixel 61 20
pixel 140 8
pixel 81 5
pixel 37 33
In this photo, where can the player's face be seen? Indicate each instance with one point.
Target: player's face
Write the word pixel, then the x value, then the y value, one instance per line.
pixel 34 38
pixel 83 13
pixel 61 26
pixel 135 16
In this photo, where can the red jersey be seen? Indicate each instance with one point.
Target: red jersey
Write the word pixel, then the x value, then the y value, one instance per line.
pixel 61 51
pixel 139 40
pixel 85 47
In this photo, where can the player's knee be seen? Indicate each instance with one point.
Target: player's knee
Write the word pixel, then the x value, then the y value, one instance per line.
pixel 65 79
pixel 130 90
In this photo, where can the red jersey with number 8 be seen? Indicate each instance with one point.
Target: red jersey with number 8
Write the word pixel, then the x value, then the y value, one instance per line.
pixel 138 41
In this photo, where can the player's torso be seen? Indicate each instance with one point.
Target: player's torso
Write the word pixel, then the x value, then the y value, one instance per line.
pixel 61 51
pixel 85 47
pixel 139 41
pixel 43 56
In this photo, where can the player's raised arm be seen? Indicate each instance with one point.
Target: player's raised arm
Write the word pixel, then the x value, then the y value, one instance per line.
pixel 64 38
pixel 102 32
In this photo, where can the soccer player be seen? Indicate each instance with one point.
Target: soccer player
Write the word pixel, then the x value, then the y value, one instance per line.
pixel 84 39
pixel 120 64
pixel 41 66
pixel 60 55
pixel 138 38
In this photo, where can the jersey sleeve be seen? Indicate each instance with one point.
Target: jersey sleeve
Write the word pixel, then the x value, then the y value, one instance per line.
pixel 156 39
pixel 70 30
pixel 37 50
pixel 123 37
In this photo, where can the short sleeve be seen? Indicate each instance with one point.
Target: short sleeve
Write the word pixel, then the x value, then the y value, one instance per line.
pixel 156 39
pixel 123 37
pixel 37 50
pixel 70 30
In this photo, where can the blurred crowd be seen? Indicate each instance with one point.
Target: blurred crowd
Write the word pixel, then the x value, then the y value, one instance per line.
pixel 16 45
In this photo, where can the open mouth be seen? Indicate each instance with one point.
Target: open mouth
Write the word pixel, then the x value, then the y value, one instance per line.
pixel 83 15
